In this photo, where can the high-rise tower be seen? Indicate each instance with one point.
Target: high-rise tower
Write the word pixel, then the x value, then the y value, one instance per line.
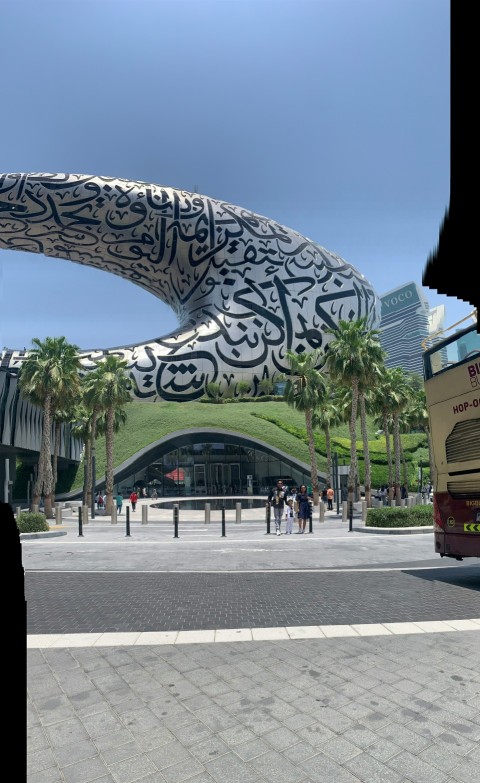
pixel 405 322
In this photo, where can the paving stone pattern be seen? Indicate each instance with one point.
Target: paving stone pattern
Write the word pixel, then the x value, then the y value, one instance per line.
pixel 113 602
pixel 350 710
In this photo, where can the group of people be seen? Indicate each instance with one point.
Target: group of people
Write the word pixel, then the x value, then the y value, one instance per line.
pixel 384 493
pixel 102 501
pixel 290 505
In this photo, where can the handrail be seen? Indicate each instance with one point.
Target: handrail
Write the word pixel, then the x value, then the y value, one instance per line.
pixel 431 337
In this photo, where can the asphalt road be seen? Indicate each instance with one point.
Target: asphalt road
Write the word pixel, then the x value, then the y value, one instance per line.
pixel 106 581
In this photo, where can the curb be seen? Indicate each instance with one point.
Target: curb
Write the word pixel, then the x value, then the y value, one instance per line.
pixel 43 534
pixel 399 531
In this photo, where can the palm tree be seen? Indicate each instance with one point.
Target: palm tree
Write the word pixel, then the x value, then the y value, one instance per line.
pixel 399 401
pixel 48 375
pixel 372 377
pixel 82 429
pixel 326 416
pixel 108 392
pixel 383 399
pixel 351 358
pixel 305 389
pixel 119 421
pixel 92 404
pixel 367 468
pixel 62 413
pixel 419 419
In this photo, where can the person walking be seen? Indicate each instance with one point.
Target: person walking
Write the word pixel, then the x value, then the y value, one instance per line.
pixel 330 496
pixel 303 501
pixel 119 502
pixel 277 498
pixel 133 500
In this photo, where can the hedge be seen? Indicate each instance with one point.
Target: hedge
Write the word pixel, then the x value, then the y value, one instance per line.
pixel 32 522
pixel 398 516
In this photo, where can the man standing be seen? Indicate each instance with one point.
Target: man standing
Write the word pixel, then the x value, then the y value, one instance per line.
pixel 133 499
pixel 277 499
pixel 330 496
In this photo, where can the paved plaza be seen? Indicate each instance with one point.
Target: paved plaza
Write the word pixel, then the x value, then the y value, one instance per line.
pixel 336 656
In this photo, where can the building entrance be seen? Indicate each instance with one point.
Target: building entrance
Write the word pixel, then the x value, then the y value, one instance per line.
pixel 225 478
pixel 212 468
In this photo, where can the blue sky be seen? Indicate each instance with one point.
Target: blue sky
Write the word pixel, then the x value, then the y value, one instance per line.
pixel 329 116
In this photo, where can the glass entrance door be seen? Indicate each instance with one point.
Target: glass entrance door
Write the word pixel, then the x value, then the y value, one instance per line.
pixel 225 478
pixel 199 480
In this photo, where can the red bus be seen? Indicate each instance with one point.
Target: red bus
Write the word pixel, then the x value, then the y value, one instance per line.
pixel 452 388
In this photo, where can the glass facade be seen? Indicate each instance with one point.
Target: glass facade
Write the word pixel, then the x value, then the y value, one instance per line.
pixel 404 324
pixel 220 467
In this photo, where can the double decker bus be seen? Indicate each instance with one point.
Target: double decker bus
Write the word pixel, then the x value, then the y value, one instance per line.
pixel 452 388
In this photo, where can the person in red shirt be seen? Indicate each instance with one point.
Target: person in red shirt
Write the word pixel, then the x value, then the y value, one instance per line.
pixel 330 496
pixel 133 499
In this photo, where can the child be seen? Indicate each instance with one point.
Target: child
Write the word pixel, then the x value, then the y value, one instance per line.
pixel 289 515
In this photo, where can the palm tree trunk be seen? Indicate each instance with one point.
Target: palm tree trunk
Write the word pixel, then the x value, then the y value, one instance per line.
pixel 366 452
pixel 313 455
pixel 353 443
pixel 91 452
pixel 396 448
pixel 404 466
pixel 109 459
pixel 388 451
pixel 44 474
pixel 87 456
pixel 328 444
pixel 56 452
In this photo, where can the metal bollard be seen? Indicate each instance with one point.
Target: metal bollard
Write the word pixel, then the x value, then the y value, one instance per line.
pixel 321 516
pixel 310 521
pixel 267 516
pixel 127 521
pixel 344 510
pixel 80 526
pixel 350 517
pixel 175 520
pixel 144 514
pixel 208 508
pixel 238 513
pixel 58 513
pixel 85 515
pixel 114 513
pixel 18 512
pixel 223 522
pixel 364 510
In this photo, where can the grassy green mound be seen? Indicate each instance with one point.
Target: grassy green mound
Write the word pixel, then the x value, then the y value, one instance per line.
pixel 272 422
